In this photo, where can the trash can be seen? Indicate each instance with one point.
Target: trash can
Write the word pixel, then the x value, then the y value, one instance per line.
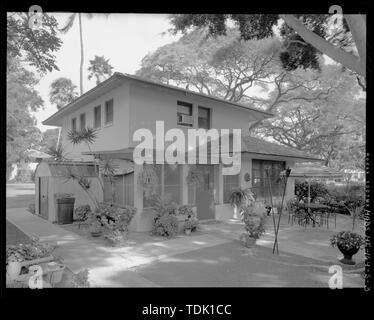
pixel 65 208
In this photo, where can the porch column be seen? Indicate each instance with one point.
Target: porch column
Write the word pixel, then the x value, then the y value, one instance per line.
pixel 220 183
pixel 290 189
pixel 183 184
pixel 138 198
pixel 246 167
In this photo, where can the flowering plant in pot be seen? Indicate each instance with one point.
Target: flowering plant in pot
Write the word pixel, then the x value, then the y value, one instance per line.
pixel 190 225
pixel 241 198
pixel 116 237
pixel 349 243
pixel 254 224
pixel 96 228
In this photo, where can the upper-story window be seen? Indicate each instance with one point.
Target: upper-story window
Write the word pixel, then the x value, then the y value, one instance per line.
pixel 82 118
pixel 97 117
pixel 109 112
pixel 204 118
pixel 184 114
pixel 74 124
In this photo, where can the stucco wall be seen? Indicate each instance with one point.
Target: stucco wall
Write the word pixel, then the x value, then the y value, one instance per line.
pixel 110 137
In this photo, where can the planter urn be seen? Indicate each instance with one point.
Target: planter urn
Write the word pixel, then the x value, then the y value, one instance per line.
pixel 247 241
pixel 56 270
pixel 13 269
pixel 348 253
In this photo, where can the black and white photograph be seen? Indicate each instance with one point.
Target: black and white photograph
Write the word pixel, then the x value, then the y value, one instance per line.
pixel 168 150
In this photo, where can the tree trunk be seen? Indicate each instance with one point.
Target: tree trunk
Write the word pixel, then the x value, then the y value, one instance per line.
pixel 339 55
pixel 82 55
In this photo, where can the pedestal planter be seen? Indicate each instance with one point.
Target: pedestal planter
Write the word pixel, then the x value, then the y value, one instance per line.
pixel 247 241
pixel 13 269
pixel 56 271
pixel 348 253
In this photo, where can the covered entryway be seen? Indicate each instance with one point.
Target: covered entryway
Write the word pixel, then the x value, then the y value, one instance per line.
pixel 55 177
pixel 205 207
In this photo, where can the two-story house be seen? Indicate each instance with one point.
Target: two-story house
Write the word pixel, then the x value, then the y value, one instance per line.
pixel 123 103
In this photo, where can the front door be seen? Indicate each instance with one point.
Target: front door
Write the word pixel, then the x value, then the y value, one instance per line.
pixel 205 207
pixel 43 197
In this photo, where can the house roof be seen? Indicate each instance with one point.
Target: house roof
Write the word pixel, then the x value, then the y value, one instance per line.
pixel 249 145
pixel 259 146
pixel 118 78
pixel 66 168
pixel 312 170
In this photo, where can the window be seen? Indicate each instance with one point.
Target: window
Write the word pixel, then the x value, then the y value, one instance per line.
pixel 230 182
pixel 260 180
pixel 184 114
pixel 109 112
pixel 204 118
pixel 83 121
pixel 74 124
pixel 97 117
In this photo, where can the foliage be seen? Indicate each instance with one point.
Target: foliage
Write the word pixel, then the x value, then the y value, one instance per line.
pixel 114 217
pixel 116 237
pixel 347 240
pixel 254 222
pixel 164 206
pixel 22 99
pixel 57 153
pixel 82 212
pixel 24 175
pixel 86 135
pixel 351 196
pixel 62 92
pixel 31 208
pixel 165 225
pixel 317 189
pixel 29 251
pixel 80 279
pixel 240 197
pixel 49 139
pixel 191 224
pixel 99 68
pixel 35 46
pixel 297 50
pixel 186 210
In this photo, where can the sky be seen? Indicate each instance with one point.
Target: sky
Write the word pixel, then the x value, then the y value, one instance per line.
pixel 123 38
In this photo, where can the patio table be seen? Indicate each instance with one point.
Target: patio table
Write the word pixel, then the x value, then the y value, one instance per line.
pixel 311 208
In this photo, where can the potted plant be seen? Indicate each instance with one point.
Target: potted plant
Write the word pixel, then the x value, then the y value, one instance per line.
pixel 348 243
pixel 240 198
pixel 96 228
pixel 14 266
pixel 116 237
pixel 190 225
pixel 254 226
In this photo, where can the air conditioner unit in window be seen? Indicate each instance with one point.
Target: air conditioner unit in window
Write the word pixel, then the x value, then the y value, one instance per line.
pixel 185 119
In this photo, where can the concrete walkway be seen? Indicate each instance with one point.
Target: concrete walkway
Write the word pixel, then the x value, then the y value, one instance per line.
pixel 108 266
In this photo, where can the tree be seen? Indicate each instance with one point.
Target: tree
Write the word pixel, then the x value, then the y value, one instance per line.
pixel 68 25
pixel 100 69
pixel 304 36
pixel 33 46
pixel 22 98
pixel 62 92
pixel 49 139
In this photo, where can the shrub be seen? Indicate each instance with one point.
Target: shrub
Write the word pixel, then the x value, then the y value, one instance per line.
pixel 347 240
pixel 186 210
pixel 317 189
pixel 116 237
pixel 165 225
pixel 29 251
pixel 80 279
pixel 191 224
pixel 254 222
pixel 351 197
pixel 82 212
pixel 115 217
pixel 31 208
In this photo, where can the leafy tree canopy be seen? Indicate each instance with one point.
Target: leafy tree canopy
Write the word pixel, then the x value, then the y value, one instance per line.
pixel 33 46
pixel 99 68
pixel 62 92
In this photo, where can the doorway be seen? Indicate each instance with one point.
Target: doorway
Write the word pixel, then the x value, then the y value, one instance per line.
pixel 43 197
pixel 205 207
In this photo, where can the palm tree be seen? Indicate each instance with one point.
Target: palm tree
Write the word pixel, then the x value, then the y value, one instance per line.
pixel 66 28
pixel 100 69
pixel 62 92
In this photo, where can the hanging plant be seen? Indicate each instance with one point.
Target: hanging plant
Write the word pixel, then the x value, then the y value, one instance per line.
pixel 149 180
pixel 195 177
